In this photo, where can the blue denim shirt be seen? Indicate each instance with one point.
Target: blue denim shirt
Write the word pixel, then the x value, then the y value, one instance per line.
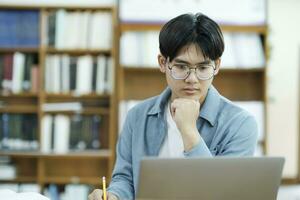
pixel 225 129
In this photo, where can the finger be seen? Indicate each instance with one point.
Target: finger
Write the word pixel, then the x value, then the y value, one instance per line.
pixel 173 109
pixel 96 195
pixel 111 196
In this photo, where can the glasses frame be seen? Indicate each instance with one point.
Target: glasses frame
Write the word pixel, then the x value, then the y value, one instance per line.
pixel 190 69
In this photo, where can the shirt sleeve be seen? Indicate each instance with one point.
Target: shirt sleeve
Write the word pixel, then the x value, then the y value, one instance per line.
pixel 200 149
pixel 244 139
pixel 122 178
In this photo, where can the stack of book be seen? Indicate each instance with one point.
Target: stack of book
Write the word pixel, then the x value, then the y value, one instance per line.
pixel 80 75
pixel 19 28
pixel 79 30
pixel 62 133
pixel 18 73
pixel 18 132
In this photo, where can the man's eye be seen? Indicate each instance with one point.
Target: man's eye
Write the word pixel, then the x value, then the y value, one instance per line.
pixel 183 67
pixel 202 68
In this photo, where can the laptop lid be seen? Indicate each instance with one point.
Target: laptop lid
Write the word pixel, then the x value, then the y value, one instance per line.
pixel 226 178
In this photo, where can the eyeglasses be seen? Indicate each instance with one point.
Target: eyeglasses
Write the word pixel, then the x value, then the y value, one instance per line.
pixel 181 71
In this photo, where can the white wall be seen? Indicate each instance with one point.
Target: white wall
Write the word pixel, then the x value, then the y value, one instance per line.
pixel 283 82
pixel 59 2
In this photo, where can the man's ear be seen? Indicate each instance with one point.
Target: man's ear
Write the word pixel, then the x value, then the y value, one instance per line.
pixel 217 66
pixel 162 63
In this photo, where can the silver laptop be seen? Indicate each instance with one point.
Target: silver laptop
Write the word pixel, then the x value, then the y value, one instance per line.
pixel 225 178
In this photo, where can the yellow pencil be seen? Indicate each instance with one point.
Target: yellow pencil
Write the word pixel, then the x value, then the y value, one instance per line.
pixel 104 188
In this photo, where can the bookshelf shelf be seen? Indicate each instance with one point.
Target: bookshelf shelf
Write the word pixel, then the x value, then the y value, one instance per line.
pixel 19 109
pixel 127 26
pixel 53 7
pixel 80 8
pixel 85 111
pixel 23 179
pixel 79 51
pixel 74 180
pixel 75 154
pixel 19 49
pixel 97 154
pixel 23 154
pixel 74 96
pixel 136 69
pixel 19 95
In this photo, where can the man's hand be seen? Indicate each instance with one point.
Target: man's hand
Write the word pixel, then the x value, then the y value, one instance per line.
pixel 185 113
pixel 97 195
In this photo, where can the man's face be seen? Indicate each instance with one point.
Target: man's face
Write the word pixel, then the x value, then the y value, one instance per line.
pixel 190 87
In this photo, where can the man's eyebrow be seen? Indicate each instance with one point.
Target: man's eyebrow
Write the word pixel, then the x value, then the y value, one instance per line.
pixel 178 60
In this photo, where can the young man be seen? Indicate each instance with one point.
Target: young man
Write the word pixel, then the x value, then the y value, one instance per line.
pixel 190 118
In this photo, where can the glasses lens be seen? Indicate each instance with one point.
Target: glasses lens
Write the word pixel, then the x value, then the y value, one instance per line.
pixel 180 71
pixel 205 72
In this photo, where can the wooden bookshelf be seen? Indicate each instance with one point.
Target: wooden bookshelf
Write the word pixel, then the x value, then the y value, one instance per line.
pixel 74 166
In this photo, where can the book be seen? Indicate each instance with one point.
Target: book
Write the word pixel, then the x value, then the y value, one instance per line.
pixel 100 84
pixel 62 106
pixel 101 30
pixel 65 75
pixel 35 74
pixel 109 76
pixel 1 70
pixel 46 128
pixel 84 75
pixel 19 28
pixel 50 30
pixel 18 72
pixel 61 134
pixel 60 23
pixel 7 73
pixel 27 79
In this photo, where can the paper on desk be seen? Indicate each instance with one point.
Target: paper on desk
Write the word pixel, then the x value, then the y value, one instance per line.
pixel 7 194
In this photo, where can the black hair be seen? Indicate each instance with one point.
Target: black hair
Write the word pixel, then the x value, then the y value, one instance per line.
pixel 189 29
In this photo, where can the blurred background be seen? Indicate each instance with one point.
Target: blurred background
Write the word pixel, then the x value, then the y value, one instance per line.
pixel 70 71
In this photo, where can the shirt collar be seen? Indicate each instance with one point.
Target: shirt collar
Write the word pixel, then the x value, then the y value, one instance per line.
pixel 161 102
pixel 209 109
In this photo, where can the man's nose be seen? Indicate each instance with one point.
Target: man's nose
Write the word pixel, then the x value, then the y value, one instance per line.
pixel 192 77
